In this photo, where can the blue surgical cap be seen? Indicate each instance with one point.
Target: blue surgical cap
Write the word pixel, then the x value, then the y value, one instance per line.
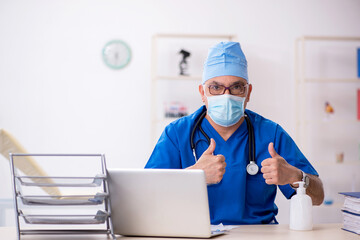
pixel 225 58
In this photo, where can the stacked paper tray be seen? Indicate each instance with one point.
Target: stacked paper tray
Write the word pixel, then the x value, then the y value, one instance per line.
pixel 40 181
pixel 62 200
pixel 97 218
pixel 76 198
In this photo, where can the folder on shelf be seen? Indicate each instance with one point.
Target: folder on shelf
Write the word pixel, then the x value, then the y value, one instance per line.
pixel 358 104
pixel 358 61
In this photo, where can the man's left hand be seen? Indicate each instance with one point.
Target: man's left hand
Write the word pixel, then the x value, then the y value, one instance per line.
pixel 277 171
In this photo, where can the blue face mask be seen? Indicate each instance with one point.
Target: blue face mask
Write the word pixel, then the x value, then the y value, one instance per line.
pixel 226 110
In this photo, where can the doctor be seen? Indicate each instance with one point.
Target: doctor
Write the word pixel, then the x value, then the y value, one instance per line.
pixel 221 140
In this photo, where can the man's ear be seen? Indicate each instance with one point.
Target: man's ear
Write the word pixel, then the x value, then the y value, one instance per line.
pixel 202 93
pixel 249 93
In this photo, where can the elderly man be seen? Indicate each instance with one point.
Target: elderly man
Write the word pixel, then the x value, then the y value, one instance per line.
pixel 245 156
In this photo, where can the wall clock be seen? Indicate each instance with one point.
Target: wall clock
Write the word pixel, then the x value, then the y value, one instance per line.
pixel 116 54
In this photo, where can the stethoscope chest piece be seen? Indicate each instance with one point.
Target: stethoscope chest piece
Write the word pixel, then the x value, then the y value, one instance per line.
pixel 252 168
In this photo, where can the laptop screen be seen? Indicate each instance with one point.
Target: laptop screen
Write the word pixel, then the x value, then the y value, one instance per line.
pixel 159 202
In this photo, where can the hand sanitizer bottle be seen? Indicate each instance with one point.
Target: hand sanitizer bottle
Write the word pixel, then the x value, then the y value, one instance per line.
pixel 301 210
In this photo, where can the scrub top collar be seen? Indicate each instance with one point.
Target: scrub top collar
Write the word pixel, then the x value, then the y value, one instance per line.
pixel 242 129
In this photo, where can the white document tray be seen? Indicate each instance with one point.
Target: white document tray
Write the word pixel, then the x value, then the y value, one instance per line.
pixel 65 181
pixel 64 199
pixel 99 218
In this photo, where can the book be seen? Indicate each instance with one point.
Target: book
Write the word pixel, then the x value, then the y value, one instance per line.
pixel 358 104
pixel 358 61
pixel 351 212
pixel 351 222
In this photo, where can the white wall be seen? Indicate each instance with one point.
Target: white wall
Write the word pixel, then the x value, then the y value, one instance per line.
pixel 56 95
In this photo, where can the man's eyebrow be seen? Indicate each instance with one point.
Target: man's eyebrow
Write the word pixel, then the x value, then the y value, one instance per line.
pixel 237 82
pixel 215 82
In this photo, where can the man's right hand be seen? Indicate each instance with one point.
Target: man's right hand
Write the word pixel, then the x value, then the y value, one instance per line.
pixel 213 165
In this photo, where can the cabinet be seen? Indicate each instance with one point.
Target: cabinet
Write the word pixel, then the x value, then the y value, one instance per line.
pixel 174 94
pixel 327 128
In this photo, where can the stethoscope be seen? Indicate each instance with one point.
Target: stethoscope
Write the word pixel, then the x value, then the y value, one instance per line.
pixel 252 168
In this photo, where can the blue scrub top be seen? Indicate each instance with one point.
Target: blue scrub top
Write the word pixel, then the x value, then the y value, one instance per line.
pixel 239 198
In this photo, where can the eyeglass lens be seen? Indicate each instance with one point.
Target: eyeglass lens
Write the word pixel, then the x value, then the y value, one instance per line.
pixel 237 89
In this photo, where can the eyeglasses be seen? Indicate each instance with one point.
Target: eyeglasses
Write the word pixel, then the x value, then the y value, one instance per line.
pixel 236 89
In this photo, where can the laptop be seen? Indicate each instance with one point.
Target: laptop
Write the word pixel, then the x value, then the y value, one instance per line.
pixel 159 203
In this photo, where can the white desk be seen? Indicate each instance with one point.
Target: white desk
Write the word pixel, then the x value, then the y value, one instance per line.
pixel 248 232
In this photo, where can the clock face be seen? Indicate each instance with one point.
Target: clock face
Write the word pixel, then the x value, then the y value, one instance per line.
pixel 116 54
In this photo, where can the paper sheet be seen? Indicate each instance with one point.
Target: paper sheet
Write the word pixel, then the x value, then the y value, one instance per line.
pixel 222 228
pixel 28 165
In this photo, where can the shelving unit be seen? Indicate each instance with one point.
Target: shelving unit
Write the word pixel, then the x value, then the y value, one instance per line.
pixel 326 71
pixel 166 78
pixel 304 84
pixel 87 211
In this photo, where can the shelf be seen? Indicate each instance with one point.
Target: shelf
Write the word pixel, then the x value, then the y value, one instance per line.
pixel 329 38
pixel 322 87
pixel 332 80
pixel 338 205
pixel 324 122
pixel 165 77
pixel 169 120
pixel 323 163
pixel 193 36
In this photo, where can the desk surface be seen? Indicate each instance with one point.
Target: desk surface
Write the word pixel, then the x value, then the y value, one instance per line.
pixel 248 232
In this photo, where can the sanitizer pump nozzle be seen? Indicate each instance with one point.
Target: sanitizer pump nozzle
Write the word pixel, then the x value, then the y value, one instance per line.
pixel 301 209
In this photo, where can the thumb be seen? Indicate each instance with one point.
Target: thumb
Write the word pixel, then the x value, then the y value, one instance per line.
pixel 272 151
pixel 211 148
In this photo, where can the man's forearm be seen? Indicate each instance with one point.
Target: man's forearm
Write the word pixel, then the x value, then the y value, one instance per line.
pixel 315 190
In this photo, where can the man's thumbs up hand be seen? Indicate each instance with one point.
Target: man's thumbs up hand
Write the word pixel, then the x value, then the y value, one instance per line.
pixel 210 150
pixel 272 151
pixel 277 171
pixel 213 165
